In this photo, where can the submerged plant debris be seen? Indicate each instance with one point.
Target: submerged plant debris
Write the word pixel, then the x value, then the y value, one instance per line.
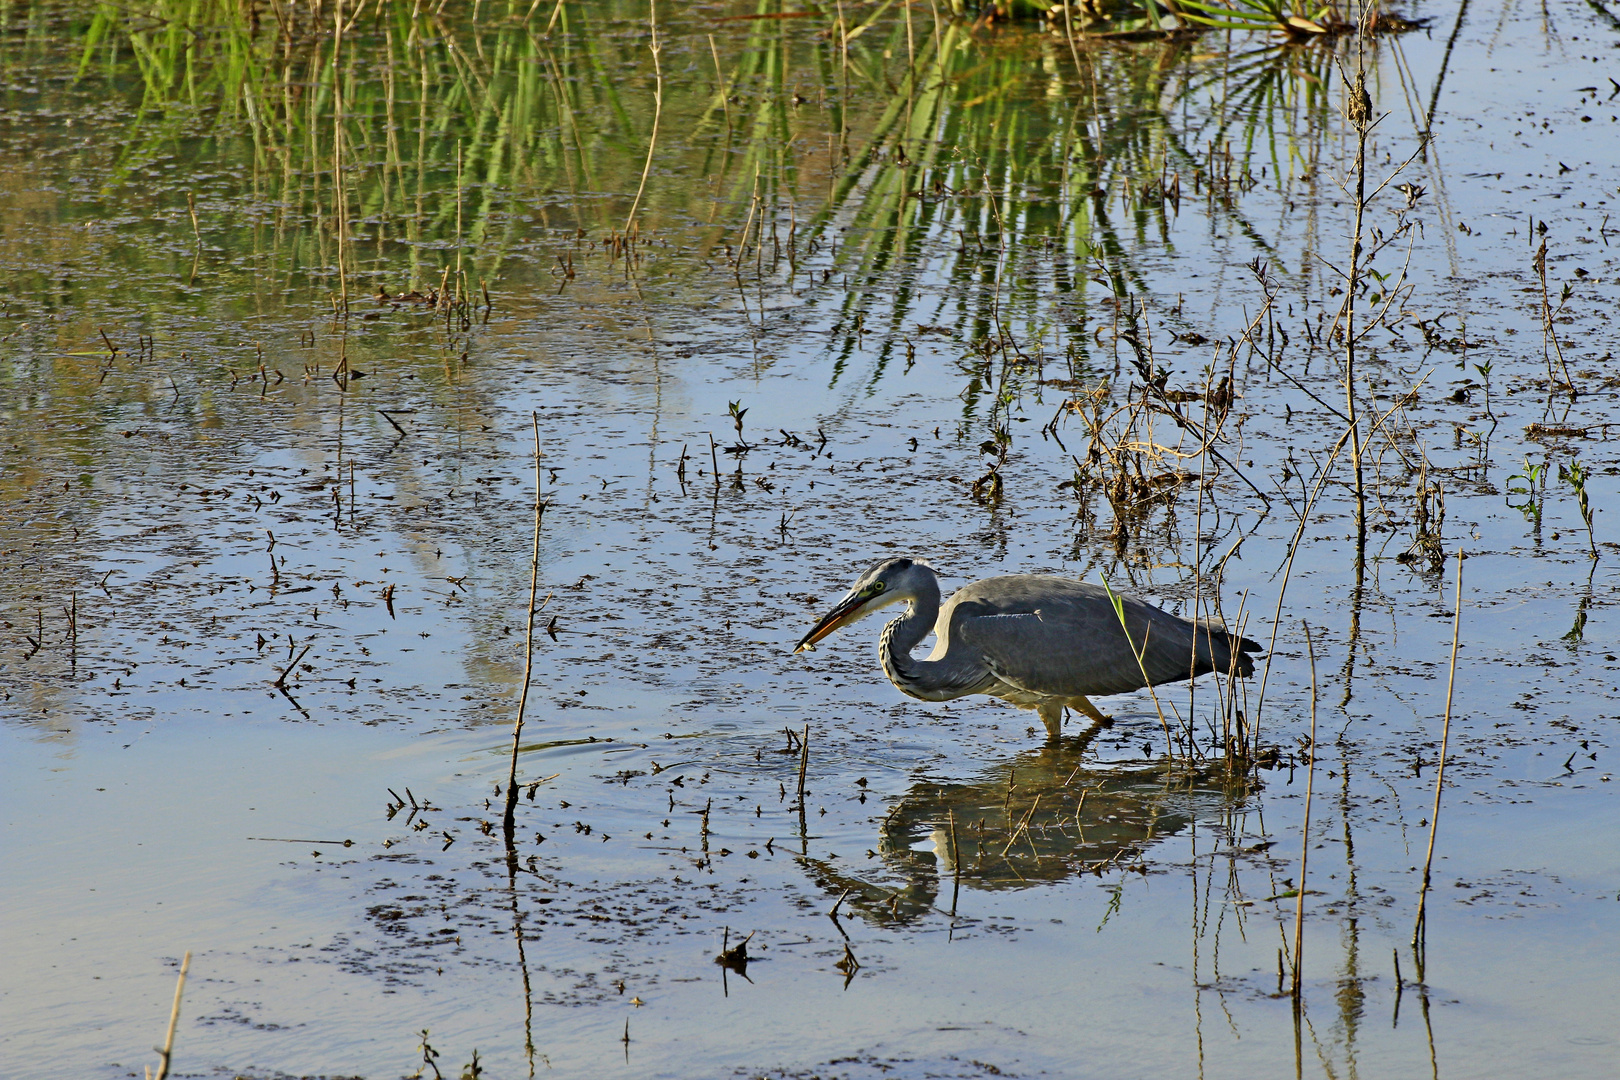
pixel 310 306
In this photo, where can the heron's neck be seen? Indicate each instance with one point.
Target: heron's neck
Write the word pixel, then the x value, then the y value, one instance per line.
pixel 906 633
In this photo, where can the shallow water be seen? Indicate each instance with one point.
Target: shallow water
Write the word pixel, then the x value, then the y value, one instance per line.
pixel 196 500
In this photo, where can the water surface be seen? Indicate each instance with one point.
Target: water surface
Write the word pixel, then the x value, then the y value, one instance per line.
pixel 264 565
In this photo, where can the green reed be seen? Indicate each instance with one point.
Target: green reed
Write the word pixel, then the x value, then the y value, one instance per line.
pixel 1012 168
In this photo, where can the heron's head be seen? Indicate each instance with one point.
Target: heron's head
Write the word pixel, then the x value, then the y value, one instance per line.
pixel 887 581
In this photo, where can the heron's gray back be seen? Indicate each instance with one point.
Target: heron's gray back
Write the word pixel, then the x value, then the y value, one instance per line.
pixel 1061 637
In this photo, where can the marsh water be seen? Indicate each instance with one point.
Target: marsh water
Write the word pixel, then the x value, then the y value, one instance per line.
pixel 295 296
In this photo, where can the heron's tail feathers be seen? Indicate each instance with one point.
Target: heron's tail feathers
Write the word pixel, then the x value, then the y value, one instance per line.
pixel 1221 644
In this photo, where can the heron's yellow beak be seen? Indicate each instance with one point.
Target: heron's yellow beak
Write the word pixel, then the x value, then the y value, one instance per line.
pixel 842 615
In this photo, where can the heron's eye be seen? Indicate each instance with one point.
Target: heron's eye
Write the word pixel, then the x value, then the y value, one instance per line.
pixel 875 587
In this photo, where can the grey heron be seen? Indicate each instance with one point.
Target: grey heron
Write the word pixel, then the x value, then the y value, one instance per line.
pixel 1037 642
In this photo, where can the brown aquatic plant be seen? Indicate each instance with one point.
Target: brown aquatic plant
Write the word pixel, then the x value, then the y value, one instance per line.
pixel 509 815
pixel 1421 925
pixel 166 1054
pixel 1305 830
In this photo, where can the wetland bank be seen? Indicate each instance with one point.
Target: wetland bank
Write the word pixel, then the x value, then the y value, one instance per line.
pixel 308 308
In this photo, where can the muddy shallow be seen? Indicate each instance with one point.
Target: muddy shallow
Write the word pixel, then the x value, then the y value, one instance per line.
pixel 201 494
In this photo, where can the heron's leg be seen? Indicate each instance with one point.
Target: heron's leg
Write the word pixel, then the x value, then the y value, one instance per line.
pixel 1088 709
pixel 1052 717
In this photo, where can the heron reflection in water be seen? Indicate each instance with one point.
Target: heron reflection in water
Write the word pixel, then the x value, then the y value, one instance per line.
pixel 1037 818
pixel 1038 642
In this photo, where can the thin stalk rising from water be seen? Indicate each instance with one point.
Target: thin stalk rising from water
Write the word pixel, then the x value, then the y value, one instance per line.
pixel 167 1052
pixel 1305 829
pixel 1419 928
pixel 1359 112
pixel 507 820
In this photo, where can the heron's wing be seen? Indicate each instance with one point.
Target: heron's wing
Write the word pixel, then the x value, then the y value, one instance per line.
pixel 1043 654
pixel 1063 638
